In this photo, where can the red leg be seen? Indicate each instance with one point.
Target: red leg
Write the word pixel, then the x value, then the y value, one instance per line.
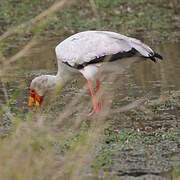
pixel 99 105
pixel 91 88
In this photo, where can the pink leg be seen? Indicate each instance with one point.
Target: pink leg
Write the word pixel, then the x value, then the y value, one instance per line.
pixel 99 105
pixel 91 88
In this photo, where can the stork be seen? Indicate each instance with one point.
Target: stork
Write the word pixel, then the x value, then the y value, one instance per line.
pixel 86 51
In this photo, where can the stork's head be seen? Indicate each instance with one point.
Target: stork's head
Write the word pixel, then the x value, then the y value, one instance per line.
pixel 39 88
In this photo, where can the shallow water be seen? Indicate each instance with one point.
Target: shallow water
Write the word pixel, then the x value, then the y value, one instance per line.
pixel 149 76
pixel 160 76
pixel 136 78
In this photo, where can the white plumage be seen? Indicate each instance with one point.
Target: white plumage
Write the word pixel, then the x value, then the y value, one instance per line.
pixel 86 52
pixel 85 46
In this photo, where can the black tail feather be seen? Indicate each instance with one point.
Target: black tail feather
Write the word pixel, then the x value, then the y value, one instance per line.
pixel 154 56
pixel 158 56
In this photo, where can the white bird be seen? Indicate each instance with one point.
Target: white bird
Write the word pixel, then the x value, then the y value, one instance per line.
pixel 86 51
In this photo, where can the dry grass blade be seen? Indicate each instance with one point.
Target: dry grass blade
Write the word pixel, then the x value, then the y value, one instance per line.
pixel 131 106
pixel 45 14
pixel 20 54
pixel 79 158
pixel 5 108
pixel 94 8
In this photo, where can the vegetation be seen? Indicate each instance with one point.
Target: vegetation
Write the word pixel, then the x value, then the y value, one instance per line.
pixel 56 143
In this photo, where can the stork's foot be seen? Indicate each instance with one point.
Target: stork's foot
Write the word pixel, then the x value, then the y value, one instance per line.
pixel 91 113
pixel 96 110
pixel 99 105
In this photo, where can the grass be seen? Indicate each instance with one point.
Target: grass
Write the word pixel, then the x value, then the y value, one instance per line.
pixel 31 140
pixel 56 143
pixel 132 141
pixel 128 17
pixel 154 22
pixel 14 13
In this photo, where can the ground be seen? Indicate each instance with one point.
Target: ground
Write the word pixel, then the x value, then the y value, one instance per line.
pixel 138 134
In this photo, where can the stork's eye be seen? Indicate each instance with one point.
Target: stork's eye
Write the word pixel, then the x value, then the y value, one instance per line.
pixel 32 92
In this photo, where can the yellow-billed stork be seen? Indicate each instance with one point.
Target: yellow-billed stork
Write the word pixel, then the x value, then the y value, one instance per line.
pixel 86 51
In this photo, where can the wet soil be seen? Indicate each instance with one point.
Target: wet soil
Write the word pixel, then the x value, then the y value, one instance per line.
pixel 142 142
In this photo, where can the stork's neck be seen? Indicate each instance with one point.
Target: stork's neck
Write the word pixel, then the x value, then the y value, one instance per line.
pixel 45 83
pixel 59 74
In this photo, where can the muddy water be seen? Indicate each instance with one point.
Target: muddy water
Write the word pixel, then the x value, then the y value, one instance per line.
pixel 150 76
pixel 141 78
pixel 160 76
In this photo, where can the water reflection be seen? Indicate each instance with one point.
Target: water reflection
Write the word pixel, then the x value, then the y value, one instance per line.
pixel 163 75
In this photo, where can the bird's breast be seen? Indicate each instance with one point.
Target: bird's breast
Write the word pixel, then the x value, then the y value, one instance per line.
pixel 90 72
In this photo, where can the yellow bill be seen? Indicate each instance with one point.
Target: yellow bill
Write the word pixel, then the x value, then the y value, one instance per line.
pixel 31 101
pixel 37 104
